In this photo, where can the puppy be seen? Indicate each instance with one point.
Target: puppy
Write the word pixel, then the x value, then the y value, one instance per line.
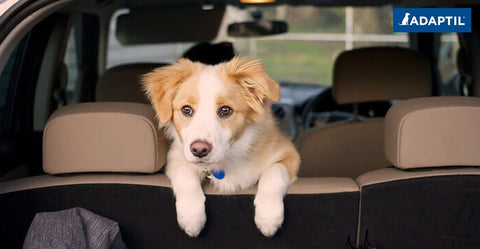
pixel 220 124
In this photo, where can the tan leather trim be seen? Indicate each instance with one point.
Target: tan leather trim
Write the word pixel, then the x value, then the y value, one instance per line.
pixel 380 74
pixel 432 132
pixel 393 174
pixel 305 185
pixel 314 185
pixel 323 185
pixel 44 181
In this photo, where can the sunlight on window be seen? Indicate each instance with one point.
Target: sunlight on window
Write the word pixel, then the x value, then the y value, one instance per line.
pixel 306 54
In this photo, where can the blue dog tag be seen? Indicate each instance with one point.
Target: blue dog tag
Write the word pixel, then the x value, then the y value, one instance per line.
pixel 219 174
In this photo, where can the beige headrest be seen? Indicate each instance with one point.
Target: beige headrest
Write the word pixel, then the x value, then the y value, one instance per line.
pixel 433 132
pixel 103 137
pixel 380 74
pixel 122 83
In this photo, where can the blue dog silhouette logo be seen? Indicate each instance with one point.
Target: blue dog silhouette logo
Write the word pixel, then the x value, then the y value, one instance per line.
pixel 405 20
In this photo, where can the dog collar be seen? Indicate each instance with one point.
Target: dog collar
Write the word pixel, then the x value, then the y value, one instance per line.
pixel 220 174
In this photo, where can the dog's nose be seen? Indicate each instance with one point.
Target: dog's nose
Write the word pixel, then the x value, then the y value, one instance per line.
pixel 200 148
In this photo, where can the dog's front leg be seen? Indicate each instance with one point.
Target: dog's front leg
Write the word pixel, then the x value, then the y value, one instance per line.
pixel 272 187
pixel 189 199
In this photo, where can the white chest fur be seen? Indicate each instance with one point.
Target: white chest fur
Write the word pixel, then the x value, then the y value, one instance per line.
pixel 238 175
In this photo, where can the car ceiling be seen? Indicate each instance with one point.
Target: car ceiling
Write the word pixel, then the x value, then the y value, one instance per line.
pixel 89 5
pixel 426 3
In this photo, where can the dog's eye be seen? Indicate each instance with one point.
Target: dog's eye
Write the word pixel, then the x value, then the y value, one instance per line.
pixel 187 111
pixel 225 111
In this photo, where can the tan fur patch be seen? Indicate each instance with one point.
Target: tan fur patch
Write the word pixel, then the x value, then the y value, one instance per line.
pixel 233 97
pixel 272 142
pixel 257 86
pixel 187 94
pixel 253 89
pixel 162 84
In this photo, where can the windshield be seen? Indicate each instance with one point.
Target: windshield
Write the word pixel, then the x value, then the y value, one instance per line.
pixel 305 55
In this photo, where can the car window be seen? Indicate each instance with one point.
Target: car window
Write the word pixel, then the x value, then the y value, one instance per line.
pixel 306 54
pixel 72 63
pixel 80 61
pixel 118 54
pixel 447 65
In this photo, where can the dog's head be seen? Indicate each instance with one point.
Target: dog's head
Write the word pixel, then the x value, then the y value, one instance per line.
pixel 210 107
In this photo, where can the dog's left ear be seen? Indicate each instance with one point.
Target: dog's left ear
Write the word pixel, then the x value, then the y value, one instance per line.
pixel 251 75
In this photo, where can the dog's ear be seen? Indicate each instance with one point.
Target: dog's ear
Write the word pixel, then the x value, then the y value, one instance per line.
pixel 161 86
pixel 258 86
pixel 251 75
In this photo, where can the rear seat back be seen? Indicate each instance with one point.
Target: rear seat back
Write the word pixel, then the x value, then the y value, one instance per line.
pixel 346 149
pixel 103 157
pixel 351 148
pixel 122 83
pixel 430 199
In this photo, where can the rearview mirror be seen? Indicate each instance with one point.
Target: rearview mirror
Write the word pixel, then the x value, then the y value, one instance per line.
pixel 257 28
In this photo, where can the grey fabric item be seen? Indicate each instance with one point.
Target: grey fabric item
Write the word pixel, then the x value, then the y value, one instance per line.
pixel 73 228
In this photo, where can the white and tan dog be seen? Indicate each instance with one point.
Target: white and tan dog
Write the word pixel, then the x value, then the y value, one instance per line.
pixel 219 121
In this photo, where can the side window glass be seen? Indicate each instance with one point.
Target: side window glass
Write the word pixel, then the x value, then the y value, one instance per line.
pixel 72 67
pixel 447 65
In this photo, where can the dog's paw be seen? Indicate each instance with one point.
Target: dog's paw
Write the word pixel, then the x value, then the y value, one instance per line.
pixel 268 216
pixel 191 218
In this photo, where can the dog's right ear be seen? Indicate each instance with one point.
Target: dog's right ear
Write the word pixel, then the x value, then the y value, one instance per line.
pixel 161 86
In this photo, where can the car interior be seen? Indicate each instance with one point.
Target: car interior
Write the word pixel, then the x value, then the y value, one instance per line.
pixel 386 123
